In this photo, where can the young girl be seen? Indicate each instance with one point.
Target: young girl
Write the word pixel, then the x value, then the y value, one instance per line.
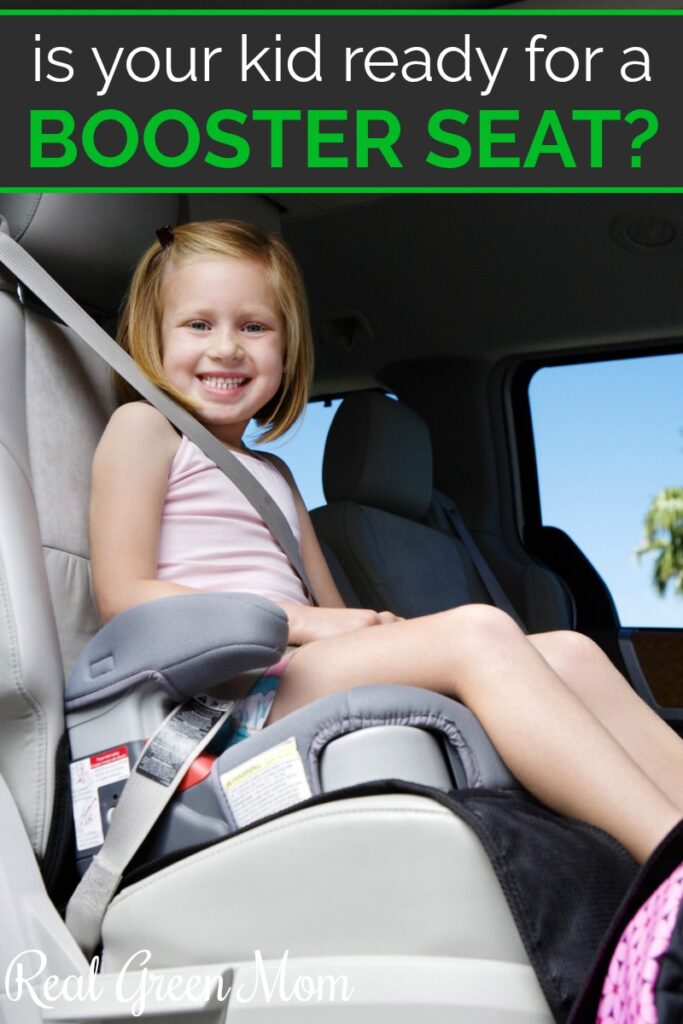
pixel 217 317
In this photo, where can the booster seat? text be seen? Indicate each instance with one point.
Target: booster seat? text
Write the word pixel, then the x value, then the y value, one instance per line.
pixel 335 138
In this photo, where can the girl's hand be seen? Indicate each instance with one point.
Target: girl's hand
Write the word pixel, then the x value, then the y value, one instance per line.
pixel 307 624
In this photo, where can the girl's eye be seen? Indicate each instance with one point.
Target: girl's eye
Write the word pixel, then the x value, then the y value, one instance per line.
pixel 253 328
pixel 198 325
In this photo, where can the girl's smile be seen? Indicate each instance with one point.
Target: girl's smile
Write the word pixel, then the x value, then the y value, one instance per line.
pixel 225 386
pixel 222 340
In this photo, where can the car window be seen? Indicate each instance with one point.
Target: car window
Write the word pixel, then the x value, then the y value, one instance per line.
pixel 302 448
pixel 609 450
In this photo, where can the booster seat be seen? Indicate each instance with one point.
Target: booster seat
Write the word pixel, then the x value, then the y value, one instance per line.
pixel 390 885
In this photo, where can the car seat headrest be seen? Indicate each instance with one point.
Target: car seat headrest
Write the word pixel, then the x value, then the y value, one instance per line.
pixel 90 243
pixel 379 453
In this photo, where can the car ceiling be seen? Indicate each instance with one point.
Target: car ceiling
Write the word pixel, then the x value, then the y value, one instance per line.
pixel 489 276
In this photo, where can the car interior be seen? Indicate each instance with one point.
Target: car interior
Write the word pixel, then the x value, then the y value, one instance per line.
pixel 355 868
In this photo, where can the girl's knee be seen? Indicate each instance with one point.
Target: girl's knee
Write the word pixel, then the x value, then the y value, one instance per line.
pixel 484 617
pixel 574 657
pixel 479 627
pixel 570 646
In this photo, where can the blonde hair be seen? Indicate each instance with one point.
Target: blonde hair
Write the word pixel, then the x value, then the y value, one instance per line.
pixel 139 331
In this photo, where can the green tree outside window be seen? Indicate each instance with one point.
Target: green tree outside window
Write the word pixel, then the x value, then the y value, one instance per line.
pixel 664 536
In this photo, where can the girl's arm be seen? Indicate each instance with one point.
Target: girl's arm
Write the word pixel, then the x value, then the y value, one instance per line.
pixel 129 480
pixel 332 617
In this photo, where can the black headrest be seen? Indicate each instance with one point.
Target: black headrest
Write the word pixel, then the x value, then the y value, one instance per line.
pixel 379 453
pixel 90 243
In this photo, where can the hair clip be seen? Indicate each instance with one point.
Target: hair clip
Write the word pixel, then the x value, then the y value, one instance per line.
pixel 165 235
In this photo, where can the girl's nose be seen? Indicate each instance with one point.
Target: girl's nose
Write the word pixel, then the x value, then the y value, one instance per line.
pixel 226 344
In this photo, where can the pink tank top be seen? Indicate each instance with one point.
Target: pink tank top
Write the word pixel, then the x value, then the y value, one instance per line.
pixel 211 537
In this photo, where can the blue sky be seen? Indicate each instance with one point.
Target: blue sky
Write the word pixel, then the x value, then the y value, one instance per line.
pixel 608 438
pixel 302 449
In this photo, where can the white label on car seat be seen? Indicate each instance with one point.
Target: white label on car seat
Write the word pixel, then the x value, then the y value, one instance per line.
pixel 88 776
pixel 267 783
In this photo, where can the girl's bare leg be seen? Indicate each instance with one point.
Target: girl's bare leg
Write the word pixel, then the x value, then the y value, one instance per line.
pixel 589 673
pixel 549 740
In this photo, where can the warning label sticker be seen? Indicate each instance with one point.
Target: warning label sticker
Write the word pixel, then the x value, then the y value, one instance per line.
pixel 267 783
pixel 88 777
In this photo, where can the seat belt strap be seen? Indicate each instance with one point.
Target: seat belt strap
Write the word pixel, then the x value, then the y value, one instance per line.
pixel 165 759
pixel 30 273
pixel 486 574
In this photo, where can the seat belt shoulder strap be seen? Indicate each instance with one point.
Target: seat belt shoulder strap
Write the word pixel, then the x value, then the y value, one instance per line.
pixel 486 574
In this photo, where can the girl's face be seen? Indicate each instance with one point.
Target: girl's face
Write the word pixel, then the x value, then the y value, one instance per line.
pixel 222 340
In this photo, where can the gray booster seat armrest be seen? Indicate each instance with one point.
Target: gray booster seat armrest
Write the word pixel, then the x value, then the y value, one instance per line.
pixel 187 644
